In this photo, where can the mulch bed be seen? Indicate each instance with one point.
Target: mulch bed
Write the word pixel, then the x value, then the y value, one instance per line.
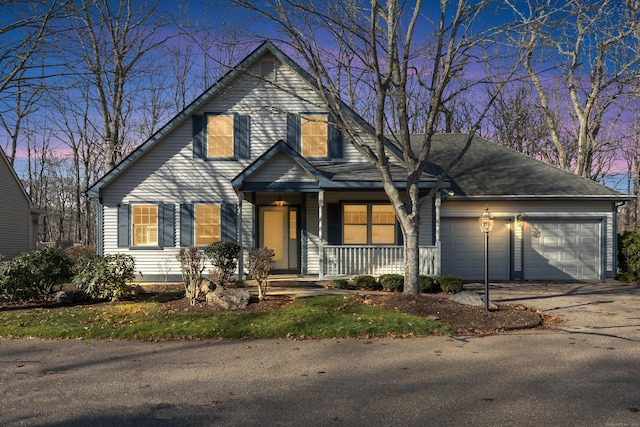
pixel 465 318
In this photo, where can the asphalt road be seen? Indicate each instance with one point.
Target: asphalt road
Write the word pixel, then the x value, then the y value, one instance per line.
pixel 586 372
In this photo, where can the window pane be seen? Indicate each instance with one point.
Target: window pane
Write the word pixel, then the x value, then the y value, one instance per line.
pixel 355 214
pixel 207 224
pixel 314 135
pixel 220 136
pixel 383 234
pixel 293 233
pixel 355 234
pixel 145 225
pixel 382 214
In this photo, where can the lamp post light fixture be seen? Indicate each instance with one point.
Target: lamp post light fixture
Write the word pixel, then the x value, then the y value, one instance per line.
pixel 486 225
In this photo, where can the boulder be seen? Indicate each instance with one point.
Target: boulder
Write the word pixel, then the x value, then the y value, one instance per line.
pixel 229 299
pixel 471 298
pixel 71 297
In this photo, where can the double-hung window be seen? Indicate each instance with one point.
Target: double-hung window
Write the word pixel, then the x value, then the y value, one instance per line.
pixel 206 224
pixel 220 135
pixel 368 224
pixel 144 219
pixel 314 135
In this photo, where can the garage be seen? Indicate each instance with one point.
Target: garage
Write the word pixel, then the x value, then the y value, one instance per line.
pixel 562 250
pixel 463 249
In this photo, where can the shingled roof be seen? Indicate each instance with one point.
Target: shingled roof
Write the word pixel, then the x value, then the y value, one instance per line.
pixel 489 170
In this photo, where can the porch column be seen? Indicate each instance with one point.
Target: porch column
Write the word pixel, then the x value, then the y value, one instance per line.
pixel 436 261
pixel 239 237
pixel 320 234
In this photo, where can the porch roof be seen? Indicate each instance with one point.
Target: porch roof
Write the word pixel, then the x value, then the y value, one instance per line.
pixel 327 176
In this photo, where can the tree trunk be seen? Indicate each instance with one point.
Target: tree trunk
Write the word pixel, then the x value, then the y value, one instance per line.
pixel 412 259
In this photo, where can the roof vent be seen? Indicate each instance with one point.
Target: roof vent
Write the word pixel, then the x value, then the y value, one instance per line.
pixel 268 69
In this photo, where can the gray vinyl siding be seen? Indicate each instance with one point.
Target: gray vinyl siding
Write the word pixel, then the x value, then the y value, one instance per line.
pixel 281 168
pixel 15 218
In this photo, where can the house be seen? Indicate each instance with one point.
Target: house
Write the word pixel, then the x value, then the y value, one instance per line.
pixel 256 160
pixel 18 217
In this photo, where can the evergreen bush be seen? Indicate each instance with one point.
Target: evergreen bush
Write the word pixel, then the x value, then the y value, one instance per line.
pixel 34 274
pixel 629 256
pixel 450 283
pixel 366 282
pixel 107 276
pixel 392 282
pixel 428 284
pixel 224 257
pixel 340 283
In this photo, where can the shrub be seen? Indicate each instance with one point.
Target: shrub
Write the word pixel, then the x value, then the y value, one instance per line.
pixel 340 283
pixel 79 255
pixel 450 283
pixel 365 281
pixel 260 263
pixel 34 274
pixel 392 282
pixel 428 284
pixel 629 256
pixel 191 266
pixel 224 257
pixel 107 276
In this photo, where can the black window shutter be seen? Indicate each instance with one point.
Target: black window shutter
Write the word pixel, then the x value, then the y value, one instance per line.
pixel 228 214
pixel 198 137
pixel 168 226
pixel 123 225
pixel 293 131
pixel 186 225
pixel 335 141
pixel 241 136
pixel 334 224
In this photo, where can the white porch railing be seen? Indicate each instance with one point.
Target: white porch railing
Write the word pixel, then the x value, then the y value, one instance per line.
pixel 376 260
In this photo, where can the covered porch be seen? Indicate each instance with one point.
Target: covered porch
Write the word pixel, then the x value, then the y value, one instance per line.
pixel 347 260
pixel 295 225
pixel 300 210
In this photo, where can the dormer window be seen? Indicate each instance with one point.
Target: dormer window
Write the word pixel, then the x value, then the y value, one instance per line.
pixel 220 135
pixel 314 135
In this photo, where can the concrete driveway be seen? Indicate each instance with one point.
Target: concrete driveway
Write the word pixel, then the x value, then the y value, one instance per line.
pixel 607 308
pixel 585 372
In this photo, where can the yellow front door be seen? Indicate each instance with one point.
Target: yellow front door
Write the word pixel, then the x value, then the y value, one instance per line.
pixel 278 231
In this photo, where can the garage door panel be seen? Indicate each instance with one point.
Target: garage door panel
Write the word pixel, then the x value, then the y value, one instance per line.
pixel 463 249
pixel 562 250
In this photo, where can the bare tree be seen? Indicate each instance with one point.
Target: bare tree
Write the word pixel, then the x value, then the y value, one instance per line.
pixel 113 38
pixel 515 121
pixel 588 50
pixel 25 29
pixel 74 129
pixel 399 53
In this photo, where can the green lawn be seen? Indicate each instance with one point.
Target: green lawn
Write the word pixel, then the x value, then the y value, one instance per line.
pixel 315 317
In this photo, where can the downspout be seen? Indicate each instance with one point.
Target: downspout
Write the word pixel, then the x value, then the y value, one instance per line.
pixel 437 258
pixel 239 237
pixel 320 235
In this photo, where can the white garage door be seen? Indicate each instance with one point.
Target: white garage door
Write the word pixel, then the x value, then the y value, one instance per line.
pixel 562 250
pixel 463 249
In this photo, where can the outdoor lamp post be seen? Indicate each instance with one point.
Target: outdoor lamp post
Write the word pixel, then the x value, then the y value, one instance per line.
pixel 486 225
